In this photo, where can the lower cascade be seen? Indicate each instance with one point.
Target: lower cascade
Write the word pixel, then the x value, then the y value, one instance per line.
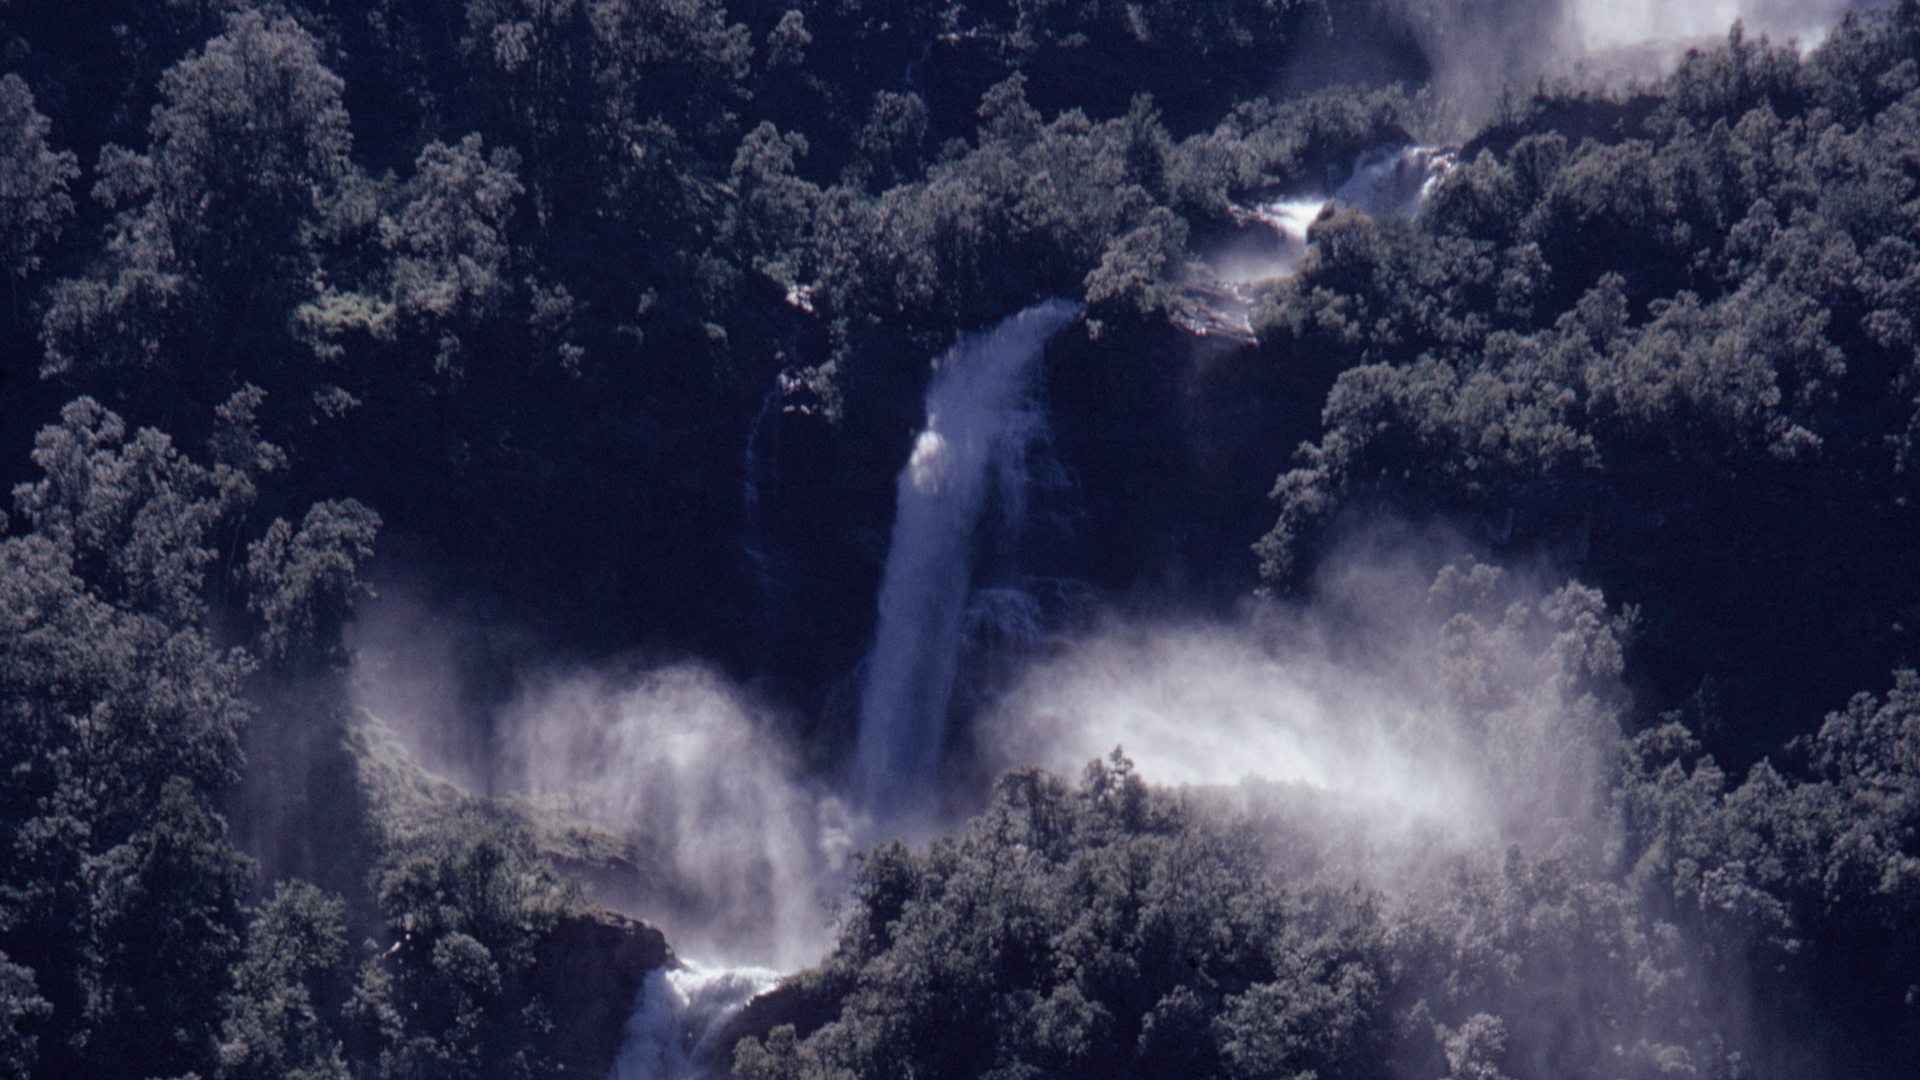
pixel 683 1009
pixel 980 421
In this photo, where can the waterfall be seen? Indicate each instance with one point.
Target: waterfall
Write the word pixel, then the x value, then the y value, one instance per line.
pixel 1386 180
pixel 754 543
pixel 980 421
pixel 784 398
pixel 1395 179
pixel 682 1012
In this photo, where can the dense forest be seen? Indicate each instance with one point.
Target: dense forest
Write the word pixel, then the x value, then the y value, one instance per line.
pixel 537 336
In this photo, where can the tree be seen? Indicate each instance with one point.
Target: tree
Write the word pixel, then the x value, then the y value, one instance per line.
pixel 303 584
pixel 121 719
pixel 446 256
pixel 272 1028
pixel 18 1001
pixel 1104 930
pixel 248 164
pixel 34 204
pixel 466 898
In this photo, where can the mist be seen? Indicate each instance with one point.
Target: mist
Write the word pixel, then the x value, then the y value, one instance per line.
pixel 1418 705
pixel 723 842
pixel 1218 704
pixel 584 530
pixel 1415 712
pixel 1599 26
pixel 732 853
pixel 1412 709
pixel 1477 50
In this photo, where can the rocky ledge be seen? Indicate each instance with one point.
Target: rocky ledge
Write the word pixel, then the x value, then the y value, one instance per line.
pixel 589 971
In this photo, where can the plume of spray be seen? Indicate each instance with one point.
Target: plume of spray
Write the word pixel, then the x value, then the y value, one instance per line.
pixel 1429 735
pixel 981 420
pixel 721 844
pixel 1410 721
pixel 734 856
pixel 1600 25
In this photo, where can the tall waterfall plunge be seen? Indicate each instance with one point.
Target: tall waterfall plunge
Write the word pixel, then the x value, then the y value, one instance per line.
pixel 980 420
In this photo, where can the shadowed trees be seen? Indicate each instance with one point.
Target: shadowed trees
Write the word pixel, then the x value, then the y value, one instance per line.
pixel 122 892
pixel 1647 344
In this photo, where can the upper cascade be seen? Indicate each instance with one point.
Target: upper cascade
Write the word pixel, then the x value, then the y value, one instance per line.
pixel 1385 181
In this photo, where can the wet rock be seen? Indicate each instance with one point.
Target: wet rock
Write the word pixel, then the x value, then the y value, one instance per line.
pixel 1214 309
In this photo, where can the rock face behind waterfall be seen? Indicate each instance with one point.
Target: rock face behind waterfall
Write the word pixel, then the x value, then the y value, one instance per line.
pixel 589 972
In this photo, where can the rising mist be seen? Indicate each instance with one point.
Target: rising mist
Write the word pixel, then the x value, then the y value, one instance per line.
pixel 1480 50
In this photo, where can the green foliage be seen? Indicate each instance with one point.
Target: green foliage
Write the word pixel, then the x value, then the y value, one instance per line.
pixel 1264 146
pixel 131 511
pixel 446 257
pixel 1121 930
pixel 1066 208
pixel 272 1029
pixel 18 1000
pixel 1716 342
pixel 1216 26
pixel 34 204
pixel 303 584
pixel 1543 968
pixel 1625 329
pixel 466 892
pixel 164 916
pixel 249 152
pixel 532 299
pixel 120 720
pixel 1811 875
pixel 1093 931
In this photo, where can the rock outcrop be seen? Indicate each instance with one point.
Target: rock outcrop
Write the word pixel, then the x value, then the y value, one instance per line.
pixel 589 971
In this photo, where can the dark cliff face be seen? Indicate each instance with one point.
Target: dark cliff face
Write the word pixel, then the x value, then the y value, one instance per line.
pixel 589 972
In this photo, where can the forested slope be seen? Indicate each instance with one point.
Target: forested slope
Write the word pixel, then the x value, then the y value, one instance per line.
pixel 605 323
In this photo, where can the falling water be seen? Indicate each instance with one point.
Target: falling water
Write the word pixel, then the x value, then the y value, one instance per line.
pixel 1394 179
pixel 980 421
pixel 786 397
pixel 754 543
pixel 682 1012
pixel 1386 180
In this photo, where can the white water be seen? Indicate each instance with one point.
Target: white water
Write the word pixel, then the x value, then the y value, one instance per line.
pixel 1393 179
pixel 980 421
pixel 676 1025
pixel 1386 180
